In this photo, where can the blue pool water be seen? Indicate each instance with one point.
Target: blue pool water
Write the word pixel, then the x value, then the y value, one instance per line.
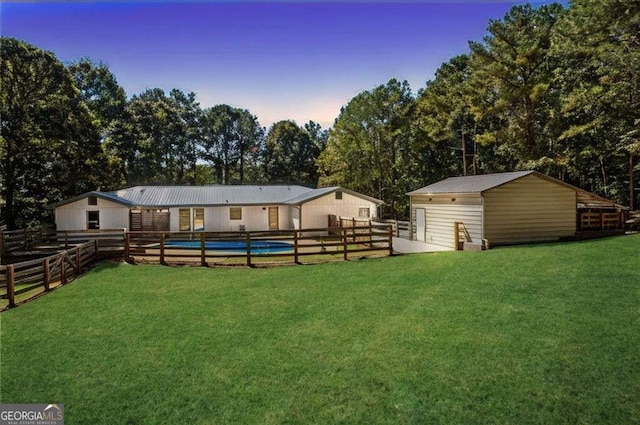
pixel 257 247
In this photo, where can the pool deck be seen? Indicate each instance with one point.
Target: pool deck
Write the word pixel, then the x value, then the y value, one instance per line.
pixel 405 246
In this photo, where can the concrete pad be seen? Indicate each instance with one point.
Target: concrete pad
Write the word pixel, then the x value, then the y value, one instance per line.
pixel 405 246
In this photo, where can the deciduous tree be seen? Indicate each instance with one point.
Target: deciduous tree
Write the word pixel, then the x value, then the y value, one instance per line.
pixel 369 146
pixel 232 140
pixel 50 146
pixel 290 155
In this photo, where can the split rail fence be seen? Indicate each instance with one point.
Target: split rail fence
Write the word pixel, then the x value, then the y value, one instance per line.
pixel 343 243
pixel 34 277
pixel 17 241
pixel 21 281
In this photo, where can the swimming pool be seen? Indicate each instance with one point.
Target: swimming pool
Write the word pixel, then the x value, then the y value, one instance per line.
pixel 257 247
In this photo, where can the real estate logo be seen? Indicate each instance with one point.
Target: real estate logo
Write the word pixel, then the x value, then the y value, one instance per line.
pixel 31 414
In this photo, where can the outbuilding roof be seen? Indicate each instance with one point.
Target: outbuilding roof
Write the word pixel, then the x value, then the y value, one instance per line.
pixel 175 196
pixel 479 183
pixel 588 200
pixel 484 182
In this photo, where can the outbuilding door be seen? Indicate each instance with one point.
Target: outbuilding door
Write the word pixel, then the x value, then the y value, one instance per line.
pixel 421 225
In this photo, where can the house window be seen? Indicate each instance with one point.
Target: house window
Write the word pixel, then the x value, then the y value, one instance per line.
pixel 235 213
pixel 339 195
pixel 364 213
pixel 92 200
pixel 185 219
pixel 93 220
pixel 198 219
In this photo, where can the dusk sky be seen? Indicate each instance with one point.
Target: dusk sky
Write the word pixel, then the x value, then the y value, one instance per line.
pixel 291 60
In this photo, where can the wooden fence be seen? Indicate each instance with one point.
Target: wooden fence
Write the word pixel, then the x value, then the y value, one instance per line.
pixel 19 240
pixel 591 220
pixel 109 240
pixel 32 278
pixel 401 229
pixel 342 243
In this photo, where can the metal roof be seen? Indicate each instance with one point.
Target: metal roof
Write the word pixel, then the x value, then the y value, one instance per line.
pixel 175 196
pixel 168 196
pixel 482 183
pixel 472 184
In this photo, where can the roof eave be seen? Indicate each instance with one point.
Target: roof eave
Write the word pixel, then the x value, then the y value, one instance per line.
pixel 101 195
pixel 334 190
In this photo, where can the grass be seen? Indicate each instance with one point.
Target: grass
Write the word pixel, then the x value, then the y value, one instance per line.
pixel 534 334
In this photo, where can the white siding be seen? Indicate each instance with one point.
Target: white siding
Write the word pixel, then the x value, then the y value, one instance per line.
pixel 254 218
pixel 442 211
pixel 529 209
pixel 73 216
pixel 315 213
pixel 295 218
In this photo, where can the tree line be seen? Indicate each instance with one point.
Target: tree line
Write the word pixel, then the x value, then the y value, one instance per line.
pixel 549 88
pixel 69 129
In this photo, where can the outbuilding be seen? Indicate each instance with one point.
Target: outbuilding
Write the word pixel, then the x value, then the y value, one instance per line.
pixel 212 208
pixel 494 209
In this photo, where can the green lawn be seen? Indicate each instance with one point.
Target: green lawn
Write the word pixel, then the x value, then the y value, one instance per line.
pixel 544 334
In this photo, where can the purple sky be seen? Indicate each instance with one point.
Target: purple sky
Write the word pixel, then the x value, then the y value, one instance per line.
pixel 293 60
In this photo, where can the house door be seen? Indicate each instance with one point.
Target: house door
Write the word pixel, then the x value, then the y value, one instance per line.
pixel 273 218
pixel 421 226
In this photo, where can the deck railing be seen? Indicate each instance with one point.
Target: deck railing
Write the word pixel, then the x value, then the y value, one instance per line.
pixel 400 228
pixel 601 220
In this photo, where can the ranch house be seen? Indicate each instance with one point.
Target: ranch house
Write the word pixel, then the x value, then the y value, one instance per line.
pixel 214 208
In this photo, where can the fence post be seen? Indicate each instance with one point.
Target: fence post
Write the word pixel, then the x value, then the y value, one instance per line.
pixel 344 244
pixel 25 235
pixel 203 258
pixel 456 237
pixel 162 248
pixel 620 220
pixel 95 249
pixel 248 249
pixel 126 246
pixel 2 251
pixel 46 273
pixel 390 240
pixel 353 226
pixel 63 272
pixel 11 286
pixel 295 246
pixel 78 262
